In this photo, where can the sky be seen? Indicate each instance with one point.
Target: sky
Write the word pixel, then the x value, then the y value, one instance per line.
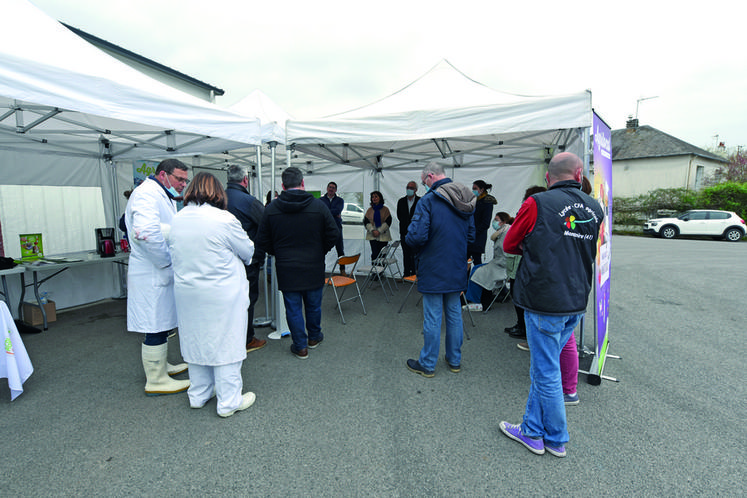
pixel 685 61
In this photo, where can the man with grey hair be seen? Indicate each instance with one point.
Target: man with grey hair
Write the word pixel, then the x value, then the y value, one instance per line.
pixel 441 227
pixel 556 233
pixel 248 210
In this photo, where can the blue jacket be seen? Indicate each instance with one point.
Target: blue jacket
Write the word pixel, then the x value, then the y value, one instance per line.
pixel 440 230
pixel 335 205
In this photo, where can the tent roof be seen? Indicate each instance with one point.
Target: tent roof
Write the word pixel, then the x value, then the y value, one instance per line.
pixel 445 115
pixel 271 116
pixel 61 95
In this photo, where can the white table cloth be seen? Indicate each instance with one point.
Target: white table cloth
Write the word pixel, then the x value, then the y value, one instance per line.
pixel 15 364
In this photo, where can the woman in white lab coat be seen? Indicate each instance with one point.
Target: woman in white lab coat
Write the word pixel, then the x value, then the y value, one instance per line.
pixel 209 249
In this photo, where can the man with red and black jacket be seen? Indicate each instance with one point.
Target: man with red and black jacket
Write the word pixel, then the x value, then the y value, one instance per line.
pixel 556 233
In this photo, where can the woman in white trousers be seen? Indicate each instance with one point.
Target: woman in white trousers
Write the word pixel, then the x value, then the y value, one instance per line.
pixel 209 250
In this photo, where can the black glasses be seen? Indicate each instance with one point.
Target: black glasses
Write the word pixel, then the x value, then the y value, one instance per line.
pixel 181 179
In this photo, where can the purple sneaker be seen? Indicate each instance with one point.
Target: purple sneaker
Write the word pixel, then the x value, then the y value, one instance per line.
pixel 536 446
pixel 558 451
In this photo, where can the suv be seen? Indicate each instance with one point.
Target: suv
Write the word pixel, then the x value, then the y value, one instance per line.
pixel 718 224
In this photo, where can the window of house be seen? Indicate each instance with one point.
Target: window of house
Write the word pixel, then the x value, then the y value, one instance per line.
pixel 699 171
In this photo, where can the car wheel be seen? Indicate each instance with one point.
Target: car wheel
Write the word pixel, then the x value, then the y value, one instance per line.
pixel 668 232
pixel 733 235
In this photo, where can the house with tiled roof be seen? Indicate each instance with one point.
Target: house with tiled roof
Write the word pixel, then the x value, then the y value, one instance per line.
pixel 644 159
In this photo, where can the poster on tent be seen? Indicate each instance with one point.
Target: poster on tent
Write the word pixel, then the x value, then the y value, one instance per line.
pixel 603 194
pixel 142 170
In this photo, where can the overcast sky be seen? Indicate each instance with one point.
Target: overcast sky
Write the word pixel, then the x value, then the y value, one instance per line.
pixel 315 58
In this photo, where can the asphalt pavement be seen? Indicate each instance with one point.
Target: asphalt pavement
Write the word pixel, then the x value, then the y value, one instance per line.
pixel 351 420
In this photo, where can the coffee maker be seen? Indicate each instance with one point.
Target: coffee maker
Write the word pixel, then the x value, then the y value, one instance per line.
pixel 105 242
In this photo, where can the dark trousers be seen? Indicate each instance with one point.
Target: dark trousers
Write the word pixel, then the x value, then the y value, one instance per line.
pixel 376 248
pixel 252 275
pixel 408 259
pixel 340 245
pixel 519 311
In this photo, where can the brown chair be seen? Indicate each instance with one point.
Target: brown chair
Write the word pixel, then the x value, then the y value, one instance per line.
pixel 340 282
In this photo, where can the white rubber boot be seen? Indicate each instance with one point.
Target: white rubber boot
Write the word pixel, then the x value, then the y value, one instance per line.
pixel 176 369
pixel 157 381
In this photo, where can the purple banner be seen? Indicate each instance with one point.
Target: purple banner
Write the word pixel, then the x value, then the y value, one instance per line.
pixel 602 138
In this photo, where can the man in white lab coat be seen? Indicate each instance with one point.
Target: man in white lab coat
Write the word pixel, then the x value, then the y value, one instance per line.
pixel 150 278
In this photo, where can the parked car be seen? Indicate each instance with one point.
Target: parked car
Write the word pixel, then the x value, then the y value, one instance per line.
pixel 718 224
pixel 352 213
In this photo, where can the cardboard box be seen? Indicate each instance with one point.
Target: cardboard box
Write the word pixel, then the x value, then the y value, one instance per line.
pixel 32 314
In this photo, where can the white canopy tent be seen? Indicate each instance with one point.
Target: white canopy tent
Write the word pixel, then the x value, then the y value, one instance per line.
pixel 69 113
pixel 444 115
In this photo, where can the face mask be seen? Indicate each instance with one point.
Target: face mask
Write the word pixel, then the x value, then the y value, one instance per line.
pixel 410 192
pixel 496 225
pixel 476 193
pixel 171 190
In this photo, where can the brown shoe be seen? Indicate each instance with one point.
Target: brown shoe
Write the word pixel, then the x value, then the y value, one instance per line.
pixel 301 354
pixel 255 344
pixel 313 343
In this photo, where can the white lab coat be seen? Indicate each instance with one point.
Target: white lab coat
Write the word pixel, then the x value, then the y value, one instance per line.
pixel 150 278
pixel 209 250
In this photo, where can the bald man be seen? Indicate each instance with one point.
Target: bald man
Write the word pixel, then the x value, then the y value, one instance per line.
pixel 556 233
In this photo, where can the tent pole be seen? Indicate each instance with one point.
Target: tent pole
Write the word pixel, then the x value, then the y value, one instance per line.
pixel 259 194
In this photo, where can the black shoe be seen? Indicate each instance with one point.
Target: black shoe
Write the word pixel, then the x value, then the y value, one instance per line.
pixel 518 333
pixel 415 366
pixel 511 329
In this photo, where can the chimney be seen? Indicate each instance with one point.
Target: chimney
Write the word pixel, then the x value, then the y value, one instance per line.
pixel 631 123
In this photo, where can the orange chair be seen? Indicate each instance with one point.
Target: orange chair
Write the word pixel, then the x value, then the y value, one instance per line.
pixel 413 281
pixel 340 282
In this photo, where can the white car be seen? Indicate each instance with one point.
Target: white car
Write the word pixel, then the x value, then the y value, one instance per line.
pixel 718 224
pixel 352 213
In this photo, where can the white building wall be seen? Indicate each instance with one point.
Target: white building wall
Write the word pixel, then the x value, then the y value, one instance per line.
pixel 640 176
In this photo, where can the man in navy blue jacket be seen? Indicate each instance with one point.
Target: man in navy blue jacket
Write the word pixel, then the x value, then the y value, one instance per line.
pixel 248 210
pixel 440 230
pixel 336 205
pixel 556 233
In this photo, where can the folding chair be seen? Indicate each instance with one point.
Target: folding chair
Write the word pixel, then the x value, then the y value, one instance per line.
pixel 461 295
pixel 413 280
pixel 391 263
pixel 376 271
pixel 340 282
pixel 497 291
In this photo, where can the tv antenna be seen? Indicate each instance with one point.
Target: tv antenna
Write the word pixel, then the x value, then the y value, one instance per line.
pixel 637 103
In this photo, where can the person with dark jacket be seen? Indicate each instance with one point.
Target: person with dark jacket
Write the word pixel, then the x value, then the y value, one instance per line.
pixel 440 230
pixel 298 230
pixel 556 232
pixel 483 219
pixel 248 210
pixel 336 204
pixel 405 210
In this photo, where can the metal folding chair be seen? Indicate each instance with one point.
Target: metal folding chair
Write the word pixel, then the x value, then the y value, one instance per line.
pixel 413 281
pixel 340 282
pixel 502 289
pixel 377 271
pixel 392 263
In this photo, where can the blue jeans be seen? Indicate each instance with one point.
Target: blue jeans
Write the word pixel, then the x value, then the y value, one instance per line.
pixel 433 304
pixel 545 412
pixel 295 304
